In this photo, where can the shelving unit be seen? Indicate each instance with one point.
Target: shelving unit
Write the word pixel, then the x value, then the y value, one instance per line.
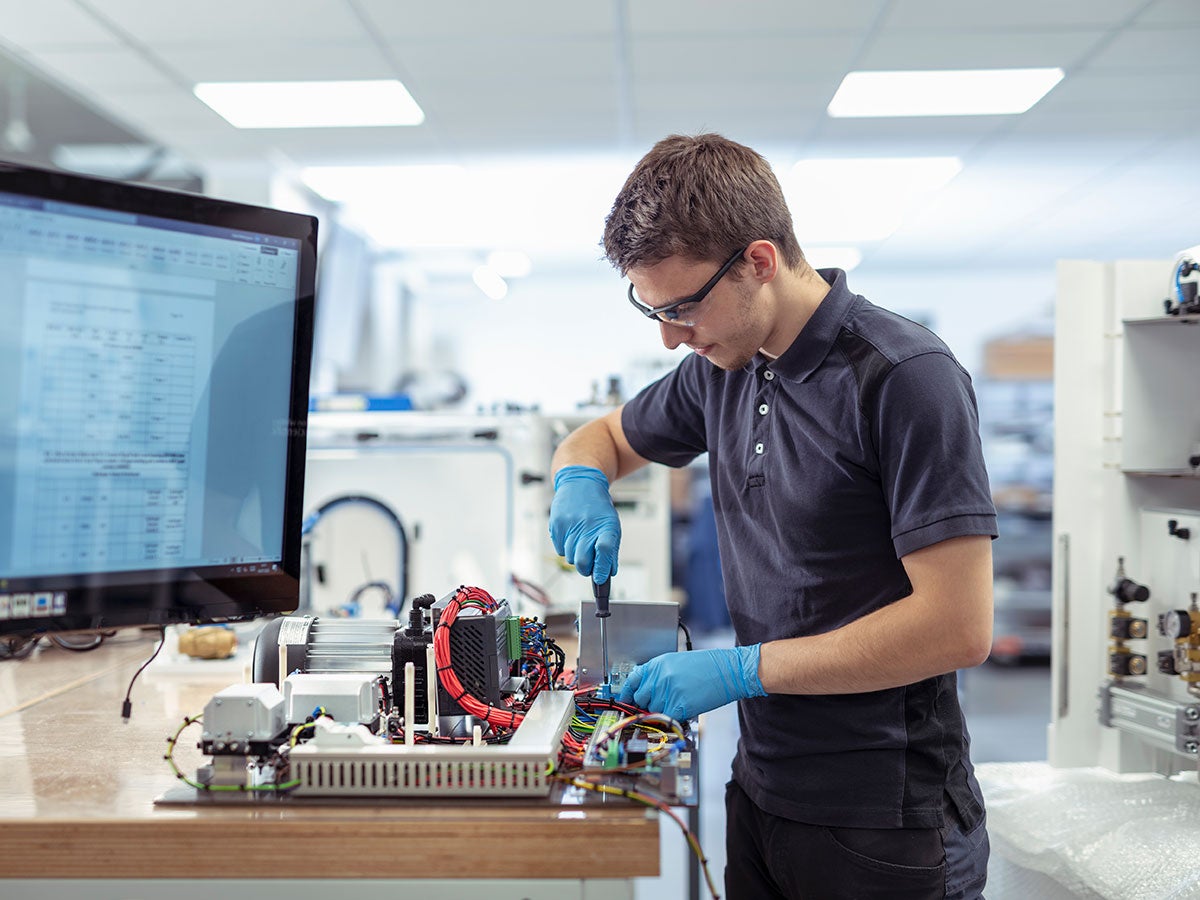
pixel 1161 414
pixel 1127 423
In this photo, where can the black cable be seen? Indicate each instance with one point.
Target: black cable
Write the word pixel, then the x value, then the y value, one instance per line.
pixel 77 643
pixel 383 586
pixel 127 706
pixel 687 635
pixel 15 647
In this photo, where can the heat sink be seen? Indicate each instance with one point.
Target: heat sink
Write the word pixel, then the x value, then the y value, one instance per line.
pixel 349 761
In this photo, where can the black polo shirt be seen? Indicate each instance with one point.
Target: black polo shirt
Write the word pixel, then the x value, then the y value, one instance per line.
pixel 857 446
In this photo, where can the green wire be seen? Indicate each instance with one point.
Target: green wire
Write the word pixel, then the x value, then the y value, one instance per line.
pixel 170 758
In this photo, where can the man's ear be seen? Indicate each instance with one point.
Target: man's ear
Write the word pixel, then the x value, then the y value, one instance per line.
pixel 764 261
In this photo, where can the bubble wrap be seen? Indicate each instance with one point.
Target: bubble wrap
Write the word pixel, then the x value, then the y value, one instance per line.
pixel 1097 833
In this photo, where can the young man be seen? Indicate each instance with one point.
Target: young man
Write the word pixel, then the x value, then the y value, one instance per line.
pixel 855 524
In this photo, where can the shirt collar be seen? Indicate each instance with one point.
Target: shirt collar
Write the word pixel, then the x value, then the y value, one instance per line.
pixel 815 339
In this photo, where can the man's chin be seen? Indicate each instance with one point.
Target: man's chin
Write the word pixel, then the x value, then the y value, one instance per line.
pixel 729 365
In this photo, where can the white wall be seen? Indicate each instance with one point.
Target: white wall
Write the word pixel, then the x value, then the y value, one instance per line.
pixel 965 307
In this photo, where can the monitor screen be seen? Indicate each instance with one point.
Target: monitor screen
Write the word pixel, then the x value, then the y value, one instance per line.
pixel 154 365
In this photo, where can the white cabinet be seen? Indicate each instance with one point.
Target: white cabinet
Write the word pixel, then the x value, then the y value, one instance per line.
pixel 1127 407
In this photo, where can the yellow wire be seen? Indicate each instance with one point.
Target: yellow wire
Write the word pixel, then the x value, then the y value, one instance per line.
pixel 170 758
pixel 659 805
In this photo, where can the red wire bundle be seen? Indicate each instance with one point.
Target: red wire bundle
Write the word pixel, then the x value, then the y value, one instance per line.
pixel 496 716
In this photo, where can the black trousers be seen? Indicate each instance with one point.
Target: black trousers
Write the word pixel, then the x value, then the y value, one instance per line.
pixel 770 857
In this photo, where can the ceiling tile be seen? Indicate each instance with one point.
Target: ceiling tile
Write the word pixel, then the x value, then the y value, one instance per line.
pixel 1029 14
pixel 731 96
pixel 254 61
pixel 274 21
pixel 762 63
pixel 467 63
pixel 538 20
pixel 501 97
pixel 1171 12
pixel 1118 92
pixel 99 72
pixel 775 17
pixel 50 23
pixel 1096 122
pixel 983 49
pixel 1165 49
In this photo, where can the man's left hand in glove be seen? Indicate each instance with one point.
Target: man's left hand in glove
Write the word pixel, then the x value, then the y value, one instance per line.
pixel 683 685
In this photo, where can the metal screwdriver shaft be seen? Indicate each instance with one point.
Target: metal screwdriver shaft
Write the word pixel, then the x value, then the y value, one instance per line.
pixel 600 592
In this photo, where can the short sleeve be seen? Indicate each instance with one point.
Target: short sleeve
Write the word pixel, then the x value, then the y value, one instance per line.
pixel 665 423
pixel 925 425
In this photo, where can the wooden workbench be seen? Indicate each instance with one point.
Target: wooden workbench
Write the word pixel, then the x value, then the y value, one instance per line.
pixel 77 791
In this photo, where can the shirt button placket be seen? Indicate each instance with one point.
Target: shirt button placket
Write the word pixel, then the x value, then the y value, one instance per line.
pixel 759 429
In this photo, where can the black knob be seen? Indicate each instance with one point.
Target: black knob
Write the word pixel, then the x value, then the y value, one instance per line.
pixel 1166 662
pixel 1128 591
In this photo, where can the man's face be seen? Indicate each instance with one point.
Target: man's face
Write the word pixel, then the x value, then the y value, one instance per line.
pixel 727 327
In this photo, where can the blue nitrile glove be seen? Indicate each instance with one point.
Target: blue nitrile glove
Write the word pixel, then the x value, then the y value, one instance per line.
pixel 683 685
pixel 583 522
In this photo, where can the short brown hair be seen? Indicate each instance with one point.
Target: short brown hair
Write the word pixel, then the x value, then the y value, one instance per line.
pixel 699 197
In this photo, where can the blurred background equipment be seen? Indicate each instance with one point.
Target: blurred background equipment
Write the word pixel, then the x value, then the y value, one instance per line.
pixel 463 499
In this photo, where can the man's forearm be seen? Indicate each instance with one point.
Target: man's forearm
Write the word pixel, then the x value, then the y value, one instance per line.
pixel 886 649
pixel 945 624
pixel 588 445
pixel 600 444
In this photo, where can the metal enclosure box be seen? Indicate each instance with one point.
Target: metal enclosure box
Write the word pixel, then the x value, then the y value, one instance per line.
pixel 347 696
pixel 638 630
pixel 244 713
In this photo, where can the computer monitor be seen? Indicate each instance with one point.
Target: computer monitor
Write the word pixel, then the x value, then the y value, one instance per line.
pixel 154 366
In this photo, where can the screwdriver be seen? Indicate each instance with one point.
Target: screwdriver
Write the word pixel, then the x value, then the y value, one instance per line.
pixel 600 591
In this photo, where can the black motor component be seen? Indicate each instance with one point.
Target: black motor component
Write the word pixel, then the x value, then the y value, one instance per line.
pixel 409 649
pixel 478 652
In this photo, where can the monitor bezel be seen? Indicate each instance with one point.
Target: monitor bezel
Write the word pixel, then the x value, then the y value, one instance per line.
pixel 185 594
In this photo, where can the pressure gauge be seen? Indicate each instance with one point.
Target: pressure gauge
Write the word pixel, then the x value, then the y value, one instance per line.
pixel 1177 624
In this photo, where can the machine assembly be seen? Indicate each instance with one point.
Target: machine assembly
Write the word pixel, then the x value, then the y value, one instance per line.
pixel 462 699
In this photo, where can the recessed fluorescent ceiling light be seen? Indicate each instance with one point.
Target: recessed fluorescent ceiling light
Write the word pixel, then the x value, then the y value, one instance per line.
pixel 961 92
pixel 489 281
pixel 311 104
pixel 855 200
